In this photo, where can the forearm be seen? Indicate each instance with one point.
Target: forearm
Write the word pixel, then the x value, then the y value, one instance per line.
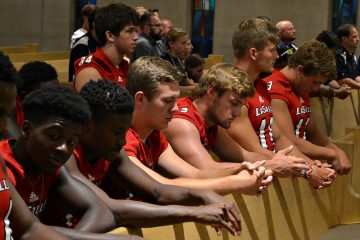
pixel 222 186
pixel 77 235
pixel 350 82
pixel 314 151
pixel 141 214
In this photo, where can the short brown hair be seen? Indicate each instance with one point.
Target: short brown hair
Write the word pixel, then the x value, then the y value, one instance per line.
pixel 147 73
pixel 223 77
pixel 315 58
pixel 252 32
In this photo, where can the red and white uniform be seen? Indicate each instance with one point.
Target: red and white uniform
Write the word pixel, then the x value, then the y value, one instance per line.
pixel 147 152
pixel 299 106
pixel 55 213
pixel 260 115
pixel 34 191
pixel 188 112
pixel 5 206
pixel 104 66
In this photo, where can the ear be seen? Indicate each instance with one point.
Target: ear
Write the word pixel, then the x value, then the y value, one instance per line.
pixel 109 36
pixel 139 99
pixel 299 69
pixel 211 92
pixel 26 129
pixel 253 53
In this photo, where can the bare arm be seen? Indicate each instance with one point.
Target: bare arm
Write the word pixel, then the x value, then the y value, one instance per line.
pixel 141 214
pixel 94 215
pixel 245 182
pixel 228 150
pixel 282 115
pixel 85 76
pixel 341 163
pixel 350 82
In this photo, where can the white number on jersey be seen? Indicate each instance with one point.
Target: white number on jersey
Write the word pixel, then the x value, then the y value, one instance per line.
pixel 262 136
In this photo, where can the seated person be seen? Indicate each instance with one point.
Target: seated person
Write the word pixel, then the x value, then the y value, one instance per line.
pixel 23 223
pixel 254 45
pixel 102 140
pixel 84 45
pixel 194 66
pixel 31 76
pixel 332 88
pixel 154 85
pixel 348 70
pixel 54 117
pixel 289 89
pixel 16 221
pixel 176 51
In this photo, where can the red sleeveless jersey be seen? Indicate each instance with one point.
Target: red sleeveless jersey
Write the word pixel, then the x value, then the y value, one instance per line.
pixel 260 115
pixel 5 206
pixel 188 112
pixel 299 106
pixel 104 66
pixel 34 191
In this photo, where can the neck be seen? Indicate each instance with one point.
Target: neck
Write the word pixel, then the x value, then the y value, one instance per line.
pixel 114 56
pixel 290 75
pixel 140 126
pixel 247 66
pixel 202 106
pixel 349 49
pixel 22 158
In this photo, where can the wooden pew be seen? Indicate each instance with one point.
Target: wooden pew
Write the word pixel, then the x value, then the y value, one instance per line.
pixel 333 116
pixel 213 59
pixel 26 48
pixel 290 209
pixel 39 56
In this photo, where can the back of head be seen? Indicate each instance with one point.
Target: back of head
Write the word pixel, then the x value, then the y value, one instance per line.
pixel 91 18
pixel 147 73
pixel 344 30
pixel 252 33
pixel 315 58
pixel 329 38
pixel 105 97
pixel 114 18
pixel 33 74
pixel 87 9
pixel 223 77
pixel 55 101
pixel 7 70
pixel 193 61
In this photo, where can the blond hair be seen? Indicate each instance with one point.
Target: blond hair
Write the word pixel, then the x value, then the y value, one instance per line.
pixel 223 77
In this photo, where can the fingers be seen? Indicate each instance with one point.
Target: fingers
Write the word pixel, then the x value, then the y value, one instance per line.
pixel 260 172
pixel 255 165
pixel 233 215
pixel 317 163
pixel 286 150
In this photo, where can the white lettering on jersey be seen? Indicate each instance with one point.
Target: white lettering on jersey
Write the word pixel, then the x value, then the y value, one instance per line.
pixel 184 110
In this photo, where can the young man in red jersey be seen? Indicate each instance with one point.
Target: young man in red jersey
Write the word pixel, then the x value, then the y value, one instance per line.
pixel 115 30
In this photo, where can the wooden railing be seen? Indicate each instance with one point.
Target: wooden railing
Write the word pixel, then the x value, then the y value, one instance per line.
pixel 290 209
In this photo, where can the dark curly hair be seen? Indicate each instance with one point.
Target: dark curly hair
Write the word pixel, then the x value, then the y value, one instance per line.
pixel 33 74
pixel 55 100
pixel 105 97
pixel 114 18
pixel 7 70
